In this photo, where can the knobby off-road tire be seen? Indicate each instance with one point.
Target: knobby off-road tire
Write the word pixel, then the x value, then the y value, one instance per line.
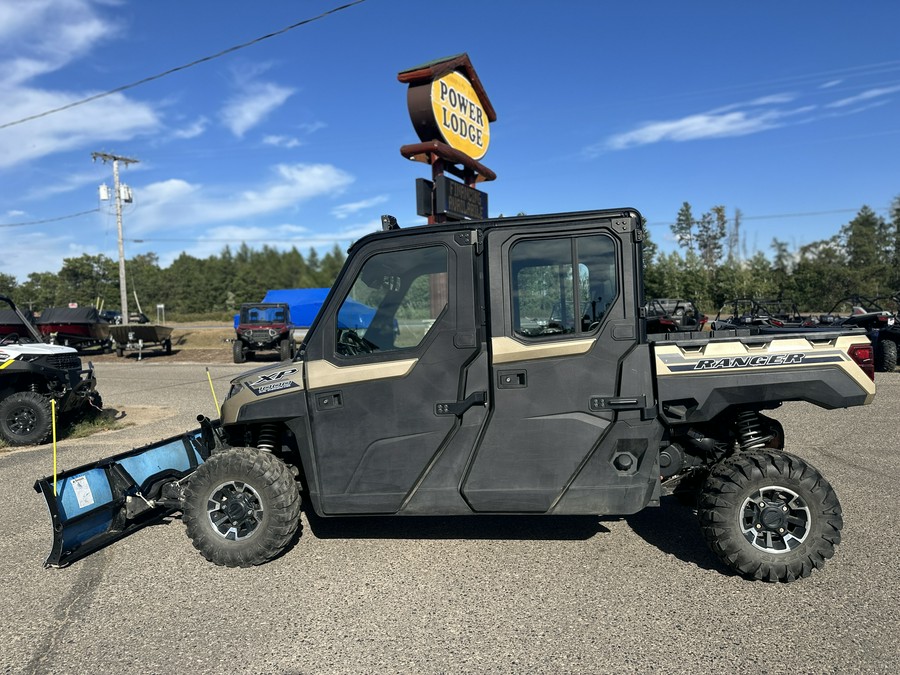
pixel 769 515
pixel 285 350
pixel 25 418
pixel 886 356
pixel 242 507
pixel 237 349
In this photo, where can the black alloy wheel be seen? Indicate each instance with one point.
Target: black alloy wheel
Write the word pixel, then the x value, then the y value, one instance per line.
pixel 769 515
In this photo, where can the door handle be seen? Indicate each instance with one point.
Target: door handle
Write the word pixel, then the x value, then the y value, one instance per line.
pixel 618 403
pixel 512 379
pixel 459 407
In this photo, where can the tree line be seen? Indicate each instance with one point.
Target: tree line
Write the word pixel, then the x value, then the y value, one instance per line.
pixel 710 267
pixel 214 286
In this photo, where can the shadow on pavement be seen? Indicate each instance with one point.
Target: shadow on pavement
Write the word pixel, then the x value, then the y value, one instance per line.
pixel 673 529
pixel 539 528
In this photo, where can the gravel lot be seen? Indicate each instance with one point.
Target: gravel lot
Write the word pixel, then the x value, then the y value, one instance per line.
pixel 437 595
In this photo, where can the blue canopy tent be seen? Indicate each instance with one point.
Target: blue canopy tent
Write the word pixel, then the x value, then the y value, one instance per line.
pixel 305 304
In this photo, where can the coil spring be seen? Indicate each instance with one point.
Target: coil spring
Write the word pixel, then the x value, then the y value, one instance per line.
pixel 267 437
pixel 750 430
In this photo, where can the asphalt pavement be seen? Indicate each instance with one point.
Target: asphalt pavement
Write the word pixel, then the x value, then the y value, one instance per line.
pixel 440 595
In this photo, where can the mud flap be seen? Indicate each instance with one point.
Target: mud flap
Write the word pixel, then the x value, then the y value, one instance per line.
pixel 99 503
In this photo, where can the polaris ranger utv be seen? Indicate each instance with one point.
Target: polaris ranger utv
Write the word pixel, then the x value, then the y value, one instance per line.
pixel 32 374
pixel 458 399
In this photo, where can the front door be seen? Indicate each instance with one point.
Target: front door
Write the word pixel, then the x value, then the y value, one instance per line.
pixel 386 368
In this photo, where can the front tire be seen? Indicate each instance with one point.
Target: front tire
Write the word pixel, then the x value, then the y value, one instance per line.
pixel 242 507
pixel 285 350
pixel 25 418
pixel 237 349
pixel 769 515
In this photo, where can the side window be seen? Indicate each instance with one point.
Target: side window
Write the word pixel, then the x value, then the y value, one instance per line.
pixel 393 302
pixel 561 286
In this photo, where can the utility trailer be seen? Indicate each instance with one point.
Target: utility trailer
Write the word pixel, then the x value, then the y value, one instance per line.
pixel 138 336
pixel 455 400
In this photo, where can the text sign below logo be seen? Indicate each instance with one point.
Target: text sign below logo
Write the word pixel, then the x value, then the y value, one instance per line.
pixel 459 115
pixel 459 201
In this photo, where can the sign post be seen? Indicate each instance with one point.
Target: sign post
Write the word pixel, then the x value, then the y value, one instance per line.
pixel 451 114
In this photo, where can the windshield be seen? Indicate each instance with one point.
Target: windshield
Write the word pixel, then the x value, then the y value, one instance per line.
pixel 263 314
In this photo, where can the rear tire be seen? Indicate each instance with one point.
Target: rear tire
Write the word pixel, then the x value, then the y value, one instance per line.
pixel 769 515
pixel 25 418
pixel 237 349
pixel 242 507
pixel 886 356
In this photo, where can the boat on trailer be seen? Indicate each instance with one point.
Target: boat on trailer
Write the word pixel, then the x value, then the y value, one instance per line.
pixel 79 327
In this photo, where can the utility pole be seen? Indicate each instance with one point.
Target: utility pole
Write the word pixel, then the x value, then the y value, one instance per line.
pixel 106 157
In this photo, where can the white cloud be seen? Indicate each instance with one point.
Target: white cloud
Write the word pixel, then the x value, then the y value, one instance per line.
pixel 311 127
pixel 830 84
pixel 114 118
pixel 43 36
pixel 39 252
pixel 345 210
pixel 694 127
pixel 727 121
pixel 177 203
pixel 864 96
pixel 15 213
pixel 252 105
pixel 196 128
pixel 282 141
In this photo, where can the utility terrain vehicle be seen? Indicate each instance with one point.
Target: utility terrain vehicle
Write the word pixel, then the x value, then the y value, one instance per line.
pixel 263 326
pixel 452 400
pixel 880 325
pixel 32 374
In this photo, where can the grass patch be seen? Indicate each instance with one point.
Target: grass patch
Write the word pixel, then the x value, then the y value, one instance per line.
pixel 212 337
pixel 94 424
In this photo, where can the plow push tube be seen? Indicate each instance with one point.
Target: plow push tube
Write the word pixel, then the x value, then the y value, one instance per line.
pixel 102 502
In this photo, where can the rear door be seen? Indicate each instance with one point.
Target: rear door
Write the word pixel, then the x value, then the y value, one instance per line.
pixel 571 385
pixel 387 366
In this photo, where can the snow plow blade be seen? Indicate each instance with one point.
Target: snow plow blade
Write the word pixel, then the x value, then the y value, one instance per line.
pixel 102 502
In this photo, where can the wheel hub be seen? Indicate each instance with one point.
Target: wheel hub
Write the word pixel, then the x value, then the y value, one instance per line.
pixel 775 519
pixel 234 510
pixel 22 421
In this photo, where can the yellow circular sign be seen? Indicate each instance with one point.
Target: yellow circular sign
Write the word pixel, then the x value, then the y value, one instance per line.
pixel 459 115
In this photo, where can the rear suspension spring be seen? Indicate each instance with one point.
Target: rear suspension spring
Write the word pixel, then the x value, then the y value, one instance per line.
pixel 267 437
pixel 750 430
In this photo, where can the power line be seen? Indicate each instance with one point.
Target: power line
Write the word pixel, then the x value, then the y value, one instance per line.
pixel 50 220
pixel 145 80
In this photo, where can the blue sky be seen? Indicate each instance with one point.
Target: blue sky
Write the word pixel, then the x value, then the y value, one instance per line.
pixel 776 109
